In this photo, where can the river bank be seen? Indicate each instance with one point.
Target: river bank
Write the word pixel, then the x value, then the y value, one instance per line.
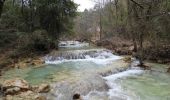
pixel 156 54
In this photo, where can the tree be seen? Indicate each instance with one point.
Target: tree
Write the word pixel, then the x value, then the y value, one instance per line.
pixel 56 16
pixel 1 6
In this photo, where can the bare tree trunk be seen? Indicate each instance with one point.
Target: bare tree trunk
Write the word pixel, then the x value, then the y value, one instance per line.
pixel 135 45
pixel 22 7
pixel 141 50
pixel 1 6
pixel 100 12
pixel 31 16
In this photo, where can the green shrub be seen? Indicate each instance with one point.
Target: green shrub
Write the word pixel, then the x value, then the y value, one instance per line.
pixel 36 41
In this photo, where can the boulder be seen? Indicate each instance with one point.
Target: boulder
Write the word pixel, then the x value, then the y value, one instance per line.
pixel 43 88
pixel 15 86
pixel 19 89
pixel 77 97
pixel 127 59
pixel 20 83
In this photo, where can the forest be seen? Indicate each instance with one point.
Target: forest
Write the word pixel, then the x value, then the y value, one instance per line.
pixel 52 33
pixel 143 24
pixel 37 26
pixel 33 26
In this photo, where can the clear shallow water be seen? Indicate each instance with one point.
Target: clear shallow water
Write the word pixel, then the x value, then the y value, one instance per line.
pixel 50 72
pixel 83 76
pixel 134 84
pixel 149 86
pixel 67 71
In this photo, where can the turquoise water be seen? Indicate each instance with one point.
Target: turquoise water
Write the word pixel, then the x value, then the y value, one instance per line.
pixel 149 86
pixel 69 71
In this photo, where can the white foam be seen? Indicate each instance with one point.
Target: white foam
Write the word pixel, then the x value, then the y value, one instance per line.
pixel 124 74
pixel 95 95
pixel 97 60
pixel 116 90
pixel 101 57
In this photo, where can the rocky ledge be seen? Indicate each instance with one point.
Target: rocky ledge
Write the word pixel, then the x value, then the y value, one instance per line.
pixel 19 89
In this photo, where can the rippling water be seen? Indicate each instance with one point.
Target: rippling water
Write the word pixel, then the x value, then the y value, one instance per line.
pixel 94 73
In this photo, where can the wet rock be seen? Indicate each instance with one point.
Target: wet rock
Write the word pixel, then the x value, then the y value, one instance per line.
pixel 19 89
pixel 127 59
pixel 43 88
pixel 40 97
pixel 9 97
pixel 76 97
pixel 12 91
pixel 37 62
pixel 168 70
pixel 145 67
pixel 21 65
pixel 27 93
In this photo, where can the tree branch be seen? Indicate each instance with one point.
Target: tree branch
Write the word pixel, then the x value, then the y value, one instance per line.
pixel 137 4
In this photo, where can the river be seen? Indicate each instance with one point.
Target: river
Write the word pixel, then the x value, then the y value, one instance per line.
pixel 96 74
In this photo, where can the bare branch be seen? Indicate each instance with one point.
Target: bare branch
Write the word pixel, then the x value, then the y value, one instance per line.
pixel 137 4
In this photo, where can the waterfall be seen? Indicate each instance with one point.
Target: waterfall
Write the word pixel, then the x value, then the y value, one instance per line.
pixel 72 44
pixel 99 56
